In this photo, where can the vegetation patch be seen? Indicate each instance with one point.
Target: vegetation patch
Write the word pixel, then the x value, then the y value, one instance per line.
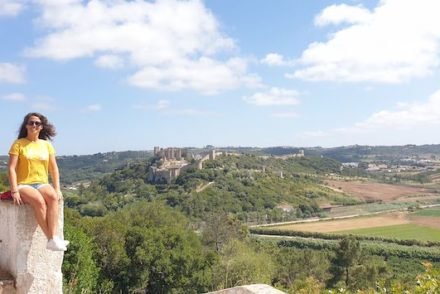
pixel 404 231
pixel 371 247
pixel 428 212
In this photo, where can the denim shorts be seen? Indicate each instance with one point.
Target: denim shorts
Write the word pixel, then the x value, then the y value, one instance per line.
pixel 35 186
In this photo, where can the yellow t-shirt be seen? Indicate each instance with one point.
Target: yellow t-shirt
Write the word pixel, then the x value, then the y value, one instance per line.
pixel 33 160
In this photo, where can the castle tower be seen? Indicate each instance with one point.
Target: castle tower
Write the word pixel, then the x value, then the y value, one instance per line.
pixel 212 155
pixel 178 154
pixel 156 150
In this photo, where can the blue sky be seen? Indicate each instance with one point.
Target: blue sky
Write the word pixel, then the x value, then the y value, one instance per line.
pixel 129 75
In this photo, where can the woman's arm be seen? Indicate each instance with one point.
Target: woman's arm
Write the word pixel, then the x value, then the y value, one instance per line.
pixel 12 177
pixel 54 173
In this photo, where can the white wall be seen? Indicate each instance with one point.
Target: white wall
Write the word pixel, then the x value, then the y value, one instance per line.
pixel 23 251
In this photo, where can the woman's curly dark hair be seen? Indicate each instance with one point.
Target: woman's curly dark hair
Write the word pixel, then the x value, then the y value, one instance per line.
pixel 47 131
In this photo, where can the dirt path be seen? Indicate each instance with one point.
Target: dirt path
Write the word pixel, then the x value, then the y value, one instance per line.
pixel 200 189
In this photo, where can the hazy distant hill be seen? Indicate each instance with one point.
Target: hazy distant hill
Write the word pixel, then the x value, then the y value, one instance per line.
pixel 362 152
pixel 344 153
pixel 84 167
pixel 87 167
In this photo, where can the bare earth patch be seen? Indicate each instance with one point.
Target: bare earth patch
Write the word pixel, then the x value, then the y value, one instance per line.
pixel 376 191
pixel 398 218
pixel 426 221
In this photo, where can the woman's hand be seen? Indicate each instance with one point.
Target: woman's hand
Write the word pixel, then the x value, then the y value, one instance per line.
pixel 60 194
pixel 16 197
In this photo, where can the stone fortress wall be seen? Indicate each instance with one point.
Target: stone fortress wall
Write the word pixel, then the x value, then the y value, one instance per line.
pixel 174 161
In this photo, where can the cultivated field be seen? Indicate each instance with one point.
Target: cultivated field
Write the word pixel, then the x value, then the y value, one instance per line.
pixel 349 223
pixel 370 191
pixel 404 232
pixel 423 225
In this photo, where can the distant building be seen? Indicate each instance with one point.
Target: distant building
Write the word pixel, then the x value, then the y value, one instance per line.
pixel 171 163
pixel 212 155
pixel 169 153
pixel 350 164
pixel 287 156
pixel 376 167
pixel 287 208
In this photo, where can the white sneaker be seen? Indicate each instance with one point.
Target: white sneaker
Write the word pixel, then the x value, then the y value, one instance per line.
pixel 58 239
pixel 56 245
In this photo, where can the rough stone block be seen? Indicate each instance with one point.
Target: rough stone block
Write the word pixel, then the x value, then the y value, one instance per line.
pixel 23 251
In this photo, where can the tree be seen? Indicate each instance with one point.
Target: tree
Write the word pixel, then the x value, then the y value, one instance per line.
pixel 150 248
pixel 220 228
pixel 80 272
pixel 295 265
pixel 309 285
pixel 241 264
pixel 4 184
pixel 429 281
pixel 347 257
pixel 108 234
pixel 166 260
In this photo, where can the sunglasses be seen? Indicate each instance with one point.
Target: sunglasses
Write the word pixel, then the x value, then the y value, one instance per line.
pixel 34 123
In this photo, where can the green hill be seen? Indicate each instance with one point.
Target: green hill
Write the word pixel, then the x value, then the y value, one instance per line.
pixel 254 188
pixel 87 167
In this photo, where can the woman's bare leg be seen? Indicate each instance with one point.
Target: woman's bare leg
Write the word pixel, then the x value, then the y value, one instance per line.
pixel 35 199
pixel 51 199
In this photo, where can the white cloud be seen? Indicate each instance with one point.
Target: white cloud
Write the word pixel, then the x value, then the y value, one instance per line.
pixel 289 114
pixel 164 107
pixel 189 112
pixel 205 75
pixel 338 14
pixel 275 96
pixel 92 108
pixel 397 41
pixel 10 73
pixel 43 106
pixel 109 61
pixel 275 59
pixel 14 97
pixel 140 106
pixel 316 134
pixel 407 116
pixel 168 42
pixel 162 104
pixel 44 103
pixel 11 7
pixel 409 120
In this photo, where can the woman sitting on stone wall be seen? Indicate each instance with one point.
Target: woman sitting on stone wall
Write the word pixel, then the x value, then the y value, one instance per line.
pixel 31 160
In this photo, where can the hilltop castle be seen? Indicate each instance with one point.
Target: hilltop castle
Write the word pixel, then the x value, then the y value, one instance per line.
pixel 173 161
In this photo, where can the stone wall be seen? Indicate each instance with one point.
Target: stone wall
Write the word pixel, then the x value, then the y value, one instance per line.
pixel 23 252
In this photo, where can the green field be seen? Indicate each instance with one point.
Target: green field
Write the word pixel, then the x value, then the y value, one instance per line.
pixel 403 232
pixel 428 212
